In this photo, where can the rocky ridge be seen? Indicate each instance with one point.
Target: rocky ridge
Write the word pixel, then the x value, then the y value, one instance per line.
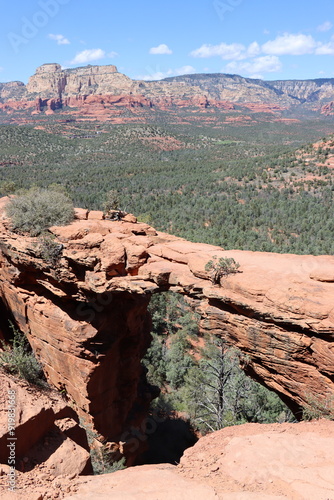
pixel 97 89
pixel 86 318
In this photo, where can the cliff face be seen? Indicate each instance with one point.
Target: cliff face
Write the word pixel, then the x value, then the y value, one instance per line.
pixel 307 90
pixel 86 318
pixel 70 86
pixel 50 81
pixel 242 90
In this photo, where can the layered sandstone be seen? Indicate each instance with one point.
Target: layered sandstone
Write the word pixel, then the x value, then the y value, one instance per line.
pixel 71 86
pixel 86 318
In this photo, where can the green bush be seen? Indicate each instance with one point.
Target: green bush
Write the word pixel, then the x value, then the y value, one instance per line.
pixel 38 209
pixel 221 268
pixel 17 359
pixel 104 459
pixel 103 462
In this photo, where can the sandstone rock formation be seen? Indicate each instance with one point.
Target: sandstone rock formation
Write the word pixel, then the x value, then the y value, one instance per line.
pixel 42 420
pixel 246 462
pixel 52 87
pixel 86 318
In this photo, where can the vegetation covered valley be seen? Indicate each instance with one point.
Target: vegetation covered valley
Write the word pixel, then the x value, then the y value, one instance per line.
pixel 256 187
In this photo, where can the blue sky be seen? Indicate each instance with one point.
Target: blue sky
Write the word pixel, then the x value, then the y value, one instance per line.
pixel 283 39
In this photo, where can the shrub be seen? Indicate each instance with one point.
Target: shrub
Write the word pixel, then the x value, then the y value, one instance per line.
pixel 38 209
pixel 221 268
pixel 17 359
pixel 317 408
pixel 7 187
pixel 50 251
pixel 104 458
pixel 112 201
pixel 104 463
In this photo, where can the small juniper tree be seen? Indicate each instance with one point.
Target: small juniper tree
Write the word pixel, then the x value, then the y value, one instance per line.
pixel 112 201
pixel 220 268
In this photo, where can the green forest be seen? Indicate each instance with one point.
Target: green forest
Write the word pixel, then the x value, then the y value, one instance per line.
pixel 245 187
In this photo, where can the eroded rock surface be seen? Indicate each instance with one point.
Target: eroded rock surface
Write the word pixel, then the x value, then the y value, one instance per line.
pixel 42 428
pixel 86 317
pixel 244 462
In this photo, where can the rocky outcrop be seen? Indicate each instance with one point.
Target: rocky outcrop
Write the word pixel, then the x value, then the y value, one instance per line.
pixel 247 462
pixel 86 317
pixel 328 109
pixel 40 427
pixel 320 89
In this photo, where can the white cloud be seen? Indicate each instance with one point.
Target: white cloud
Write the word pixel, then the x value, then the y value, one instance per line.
pixel 286 44
pixel 161 49
pixel 326 26
pixel 157 74
pixel 236 51
pixel 255 68
pixel 256 76
pixel 112 54
pixel 290 44
pixel 325 49
pixel 255 60
pixel 154 74
pixel 223 50
pixel 253 50
pixel 88 55
pixel 185 70
pixel 60 39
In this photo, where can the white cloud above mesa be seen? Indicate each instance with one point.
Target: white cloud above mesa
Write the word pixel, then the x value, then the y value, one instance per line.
pixel 297 45
pixel 256 59
pixel 160 49
pixel 60 39
pixel 326 49
pixel 290 44
pixel 90 55
pixel 223 50
pixel 233 51
pixel 157 74
pixel 286 44
pixel 256 67
pixel 326 26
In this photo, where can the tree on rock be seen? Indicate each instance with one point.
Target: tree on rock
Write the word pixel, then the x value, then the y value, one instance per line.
pixel 221 268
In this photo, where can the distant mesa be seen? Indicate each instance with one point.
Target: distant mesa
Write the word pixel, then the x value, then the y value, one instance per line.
pixel 48 68
pixel 71 87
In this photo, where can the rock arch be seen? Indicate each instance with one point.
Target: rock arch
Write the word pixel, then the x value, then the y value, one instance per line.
pixel 87 318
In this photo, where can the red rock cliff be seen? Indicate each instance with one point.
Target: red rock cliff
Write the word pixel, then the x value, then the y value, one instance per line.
pixel 87 319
